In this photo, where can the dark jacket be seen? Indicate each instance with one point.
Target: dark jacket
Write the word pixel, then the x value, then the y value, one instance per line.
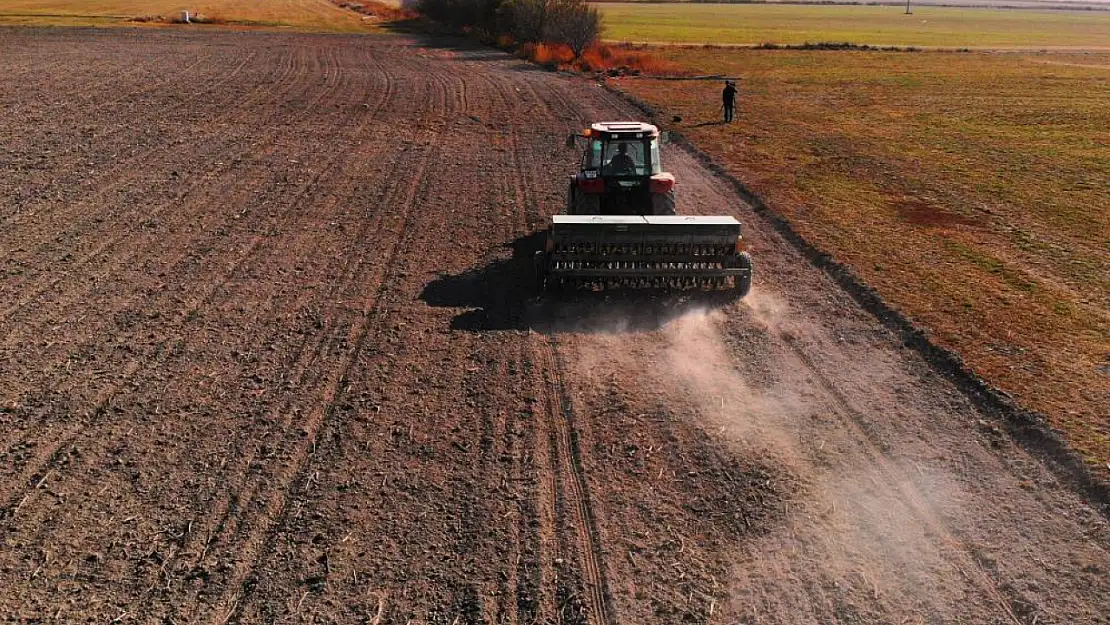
pixel 729 94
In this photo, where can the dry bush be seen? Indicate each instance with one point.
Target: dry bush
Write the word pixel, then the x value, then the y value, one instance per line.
pixel 615 60
pixel 576 24
pixel 380 10
pixel 623 59
pixel 558 54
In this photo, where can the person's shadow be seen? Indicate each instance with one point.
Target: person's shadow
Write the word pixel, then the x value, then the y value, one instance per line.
pixel 505 295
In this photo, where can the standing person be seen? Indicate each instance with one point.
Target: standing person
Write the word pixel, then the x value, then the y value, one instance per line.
pixel 729 99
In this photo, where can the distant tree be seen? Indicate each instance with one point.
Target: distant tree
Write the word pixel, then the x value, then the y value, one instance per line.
pixel 526 20
pixel 479 14
pixel 576 24
pixel 572 22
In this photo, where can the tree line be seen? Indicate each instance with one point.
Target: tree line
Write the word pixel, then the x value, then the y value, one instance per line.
pixel 570 22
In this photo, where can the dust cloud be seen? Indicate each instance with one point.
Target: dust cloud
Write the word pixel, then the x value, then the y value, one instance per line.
pixel 864 521
pixel 759 419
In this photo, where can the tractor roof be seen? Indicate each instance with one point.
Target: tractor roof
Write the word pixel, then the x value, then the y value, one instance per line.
pixel 623 127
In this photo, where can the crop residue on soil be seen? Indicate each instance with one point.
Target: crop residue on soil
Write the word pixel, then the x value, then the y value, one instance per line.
pixel 262 369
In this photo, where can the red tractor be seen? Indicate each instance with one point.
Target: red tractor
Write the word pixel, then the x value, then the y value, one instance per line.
pixel 621 230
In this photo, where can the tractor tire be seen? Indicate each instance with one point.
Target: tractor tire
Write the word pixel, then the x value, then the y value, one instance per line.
pixel 743 284
pixel 663 203
pixel 539 270
pixel 583 204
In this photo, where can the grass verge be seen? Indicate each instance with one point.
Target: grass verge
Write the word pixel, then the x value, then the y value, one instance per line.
pixel 928 26
pixel 967 189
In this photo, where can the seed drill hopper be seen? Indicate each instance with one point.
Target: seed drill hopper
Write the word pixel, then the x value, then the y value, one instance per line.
pixel 620 229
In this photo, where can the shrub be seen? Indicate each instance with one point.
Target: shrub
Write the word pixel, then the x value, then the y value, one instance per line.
pixel 570 22
pixel 575 24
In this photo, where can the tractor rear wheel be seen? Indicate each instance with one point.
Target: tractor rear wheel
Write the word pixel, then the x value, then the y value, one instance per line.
pixel 663 203
pixel 582 204
pixel 539 270
pixel 743 284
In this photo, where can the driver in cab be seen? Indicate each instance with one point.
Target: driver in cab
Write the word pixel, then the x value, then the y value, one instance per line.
pixel 622 162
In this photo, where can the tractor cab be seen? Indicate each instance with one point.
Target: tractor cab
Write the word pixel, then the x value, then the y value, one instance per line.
pixel 621 172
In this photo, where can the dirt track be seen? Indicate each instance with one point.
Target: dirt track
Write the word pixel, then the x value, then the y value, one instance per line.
pixel 266 354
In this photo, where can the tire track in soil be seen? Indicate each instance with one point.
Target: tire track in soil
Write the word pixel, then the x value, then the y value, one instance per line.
pixel 305 358
pixel 515 579
pixel 279 509
pixel 540 599
pixel 474 519
pixel 276 509
pixel 237 495
pixel 466 596
pixel 564 442
pixel 41 464
pixel 129 177
pixel 289 69
pixel 123 172
pixel 527 588
pixel 570 476
pixel 562 466
pixel 126 218
pixel 471 598
pixel 206 295
pixel 899 482
pixel 101 399
pixel 76 297
pixel 277 506
pixel 377 146
pixel 232 493
pixel 134 122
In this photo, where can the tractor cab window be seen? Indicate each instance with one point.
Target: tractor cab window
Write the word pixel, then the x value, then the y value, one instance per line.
pixel 656 163
pixel 593 154
pixel 625 158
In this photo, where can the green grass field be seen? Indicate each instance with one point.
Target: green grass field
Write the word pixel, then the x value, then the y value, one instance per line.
pixel 970 189
pixel 310 15
pixel 876 25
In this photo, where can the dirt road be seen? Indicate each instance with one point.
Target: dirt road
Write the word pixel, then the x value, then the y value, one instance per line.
pixel 267 355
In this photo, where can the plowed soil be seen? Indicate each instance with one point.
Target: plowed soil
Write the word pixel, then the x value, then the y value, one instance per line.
pixel 270 352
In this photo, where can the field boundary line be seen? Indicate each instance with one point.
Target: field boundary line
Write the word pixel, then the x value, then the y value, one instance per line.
pixel 1029 428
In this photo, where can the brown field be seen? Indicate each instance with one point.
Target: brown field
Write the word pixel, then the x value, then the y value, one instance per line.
pixel 311 15
pixel 269 352
pixel 969 189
